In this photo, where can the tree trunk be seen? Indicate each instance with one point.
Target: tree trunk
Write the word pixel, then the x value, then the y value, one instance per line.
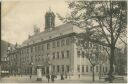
pixel 111 64
pixel 93 74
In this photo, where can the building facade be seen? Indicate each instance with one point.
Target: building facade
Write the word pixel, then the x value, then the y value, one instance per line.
pixel 4 62
pixel 55 50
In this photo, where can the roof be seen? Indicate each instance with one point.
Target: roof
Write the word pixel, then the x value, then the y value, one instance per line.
pixel 4 48
pixel 57 31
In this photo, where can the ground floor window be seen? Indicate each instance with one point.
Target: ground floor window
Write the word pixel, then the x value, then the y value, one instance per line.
pixel 62 68
pixel 43 70
pixel 67 68
pixel 96 68
pixel 83 68
pixel 86 68
pixel 53 68
pixel 103 69
pixel 58 68
pixel 47 70
pixel 78 68
pixel 100 68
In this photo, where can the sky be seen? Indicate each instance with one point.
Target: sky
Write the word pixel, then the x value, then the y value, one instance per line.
pixel 19 17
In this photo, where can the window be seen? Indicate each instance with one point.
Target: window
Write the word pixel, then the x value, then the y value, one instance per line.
pixel 27 50
pixel 53 44
pixel 62 42
pixel 53 68
pixel 96 68
pixel 31 49
pixel 53 55
pixel 106 69
pixel 58 68
pixel 67 68
pixel 67 53
pixel 90 44
pixel 103 69
pixel 100 47
pixel 39 47
pixel 39 58
pixel 87 68
pixel 62 53
pixel 83 68
pixel 62 68
pixel 100 68
pixel 78 53
pixel 21 51
pixel 83 54
pixel 42 59
pixel 42 47
pixel 58 55
pixel 78 68
pixel 48 46
pixel 67 41
pixel 36 48
pixel 58 43
pixel 47 55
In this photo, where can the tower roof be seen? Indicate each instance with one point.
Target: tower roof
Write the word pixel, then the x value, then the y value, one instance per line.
pixel 49 13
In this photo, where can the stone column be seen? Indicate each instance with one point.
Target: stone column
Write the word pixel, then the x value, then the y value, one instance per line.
pixel 39 74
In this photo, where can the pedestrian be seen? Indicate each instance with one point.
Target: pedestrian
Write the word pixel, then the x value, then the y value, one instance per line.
pixel 79 75
pixel 62 78
pixel 30 76
pixel 52 78
pixel 66 75
pixel 48 77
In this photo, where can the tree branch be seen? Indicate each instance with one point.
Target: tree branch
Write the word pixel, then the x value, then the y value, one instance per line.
pixel 122 41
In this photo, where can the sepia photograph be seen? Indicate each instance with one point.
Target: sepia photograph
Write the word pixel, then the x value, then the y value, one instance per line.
pixel 63 41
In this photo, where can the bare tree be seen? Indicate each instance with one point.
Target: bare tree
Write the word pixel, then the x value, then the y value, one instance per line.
pixel 91 51
pixel 107 19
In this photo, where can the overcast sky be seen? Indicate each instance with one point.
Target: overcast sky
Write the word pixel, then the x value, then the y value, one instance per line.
pixel 19 16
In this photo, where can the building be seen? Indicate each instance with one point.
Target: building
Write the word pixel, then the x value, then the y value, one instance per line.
pixel 5 56
pixel 55 50
pixel 121 61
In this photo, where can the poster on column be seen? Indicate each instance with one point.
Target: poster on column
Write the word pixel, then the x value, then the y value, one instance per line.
pixel 39 73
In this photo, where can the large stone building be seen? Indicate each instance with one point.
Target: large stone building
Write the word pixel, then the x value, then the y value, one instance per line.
pixel 55 50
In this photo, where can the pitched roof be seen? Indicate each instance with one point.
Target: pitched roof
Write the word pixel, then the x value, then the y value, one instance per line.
pixel 4 48
pixel 57 31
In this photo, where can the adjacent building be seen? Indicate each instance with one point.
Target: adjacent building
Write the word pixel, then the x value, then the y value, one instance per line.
pixel 5 57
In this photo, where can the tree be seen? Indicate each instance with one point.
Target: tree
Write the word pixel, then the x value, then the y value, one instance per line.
pixel 107 19
pixel 91 51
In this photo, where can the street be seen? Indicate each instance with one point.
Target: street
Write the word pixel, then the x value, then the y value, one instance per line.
pixel 26 79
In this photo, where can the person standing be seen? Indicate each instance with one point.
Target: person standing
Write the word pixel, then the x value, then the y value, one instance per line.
pixel 79 75
pixel 62 77
pixel 48 77
pixel 30 76
pixel 52 78
pixel 66 75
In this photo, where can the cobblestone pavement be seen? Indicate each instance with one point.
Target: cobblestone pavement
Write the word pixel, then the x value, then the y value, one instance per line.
pixel 26 79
